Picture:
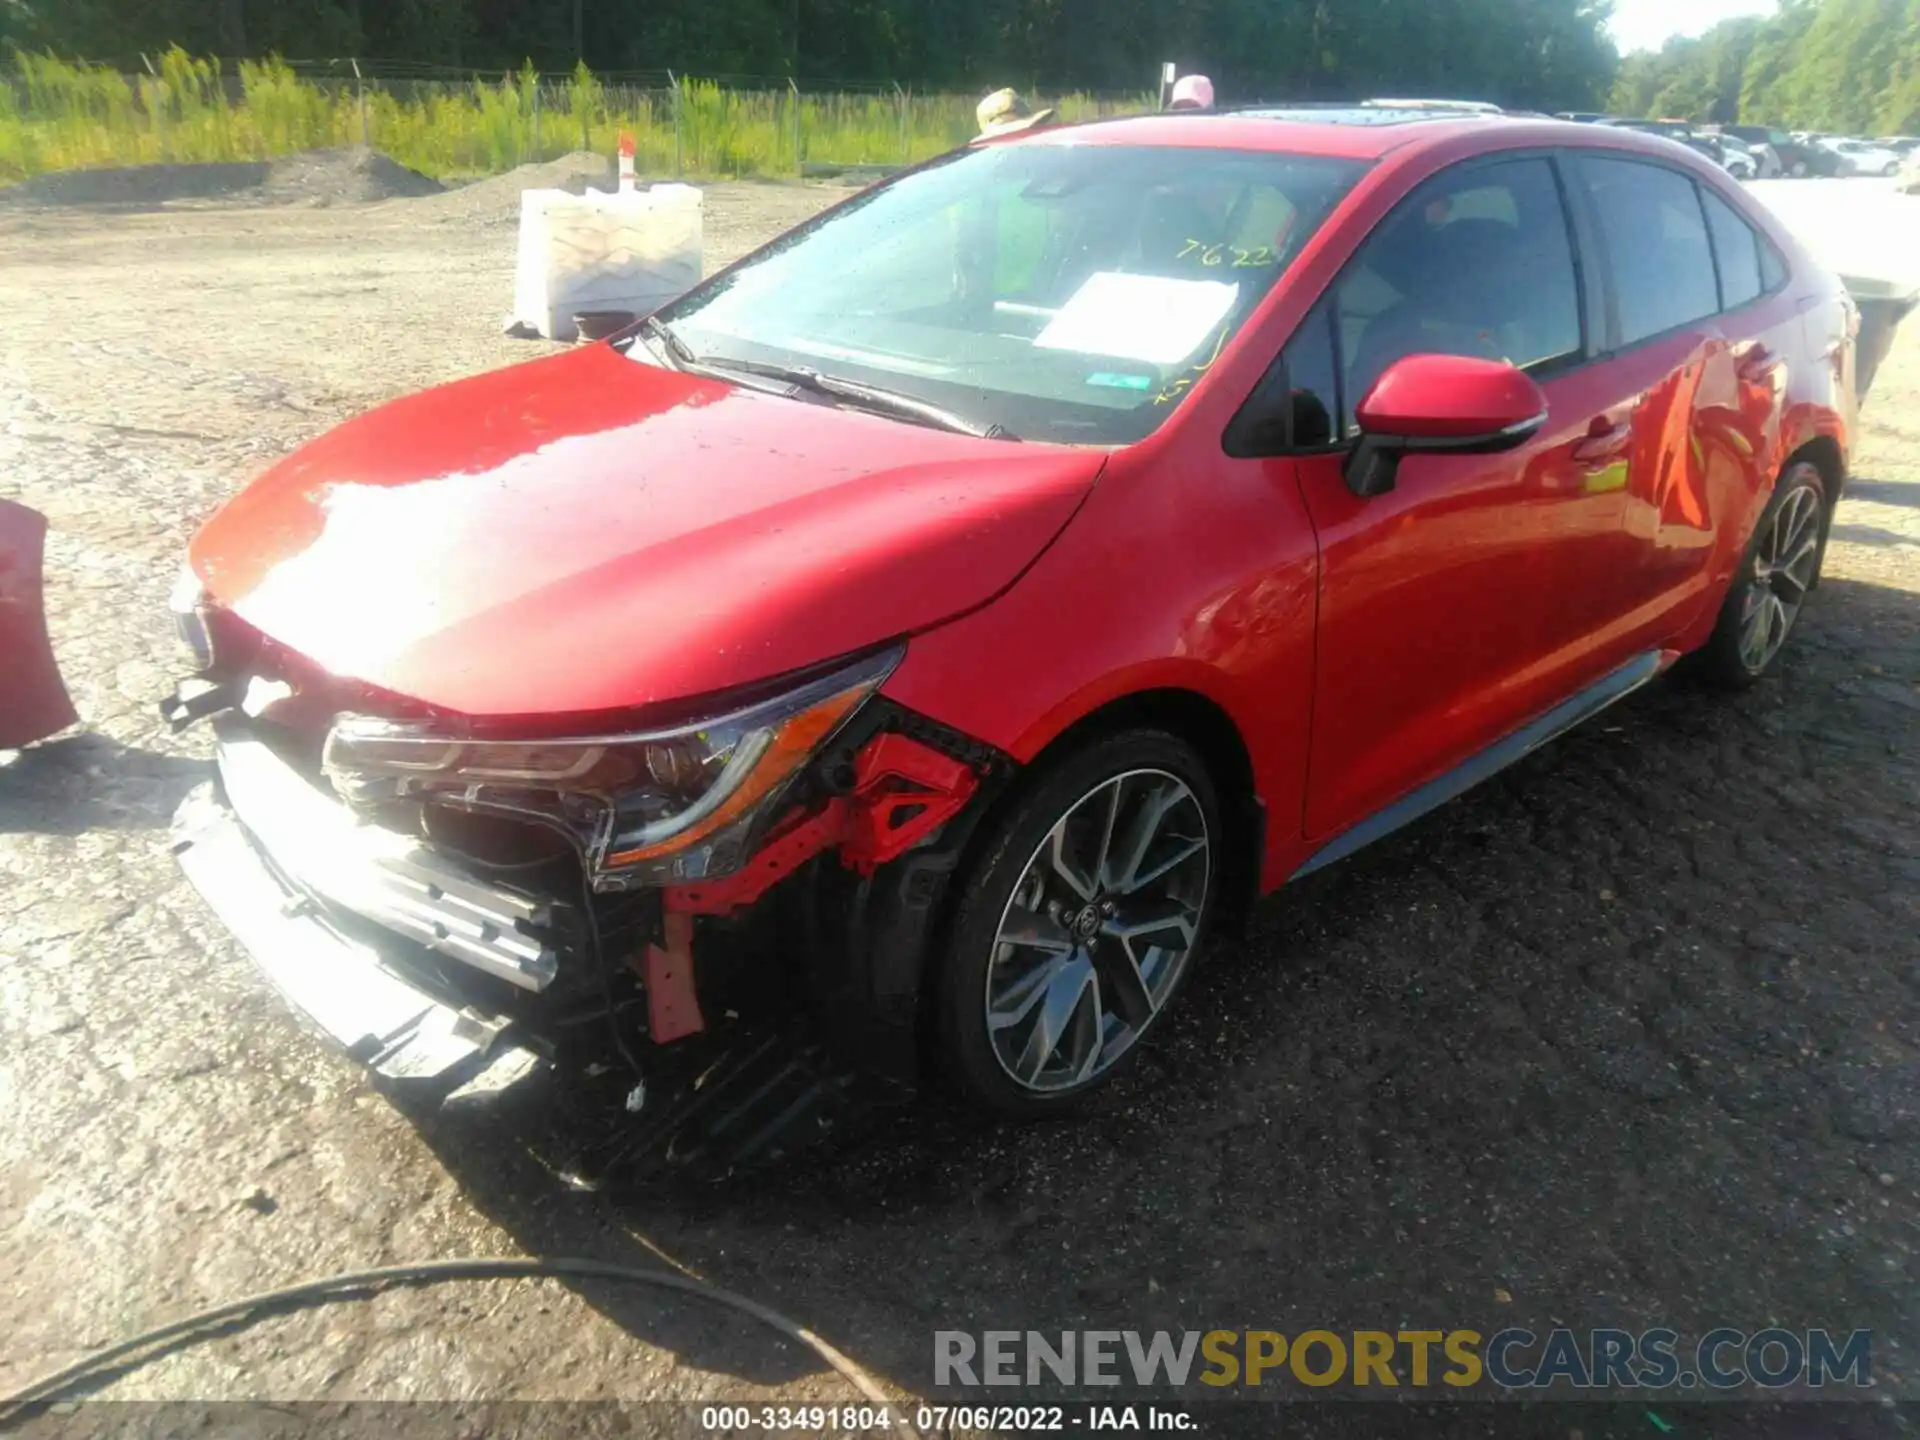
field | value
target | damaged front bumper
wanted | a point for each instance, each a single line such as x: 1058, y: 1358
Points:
x: 424, y: 969
x: 282, y: 867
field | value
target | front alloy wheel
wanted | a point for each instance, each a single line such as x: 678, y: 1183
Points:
x: 1080, y: 924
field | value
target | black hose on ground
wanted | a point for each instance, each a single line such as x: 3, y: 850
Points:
x: 354, y: 1284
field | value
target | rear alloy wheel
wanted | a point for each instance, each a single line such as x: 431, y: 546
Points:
x: 1080, y: 923
x: 1781, y: 566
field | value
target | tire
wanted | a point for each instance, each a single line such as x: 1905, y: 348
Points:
x: 1799, y: 170
x: 1047, y: 1045
x: 1780, y: 566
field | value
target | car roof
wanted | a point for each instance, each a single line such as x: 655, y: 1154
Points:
x: 1349, y: 132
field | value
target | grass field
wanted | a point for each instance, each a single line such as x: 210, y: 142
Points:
x: 60, y: 115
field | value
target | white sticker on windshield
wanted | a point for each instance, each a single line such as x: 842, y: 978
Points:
x: 1139, y: 317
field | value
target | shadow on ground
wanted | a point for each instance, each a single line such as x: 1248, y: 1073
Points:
x: 1871, y: 535
x: 1884, y: 492
x: 1630, y: 1037
x: 86, y: 782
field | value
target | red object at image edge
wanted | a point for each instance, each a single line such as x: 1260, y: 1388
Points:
x: 33, y: 700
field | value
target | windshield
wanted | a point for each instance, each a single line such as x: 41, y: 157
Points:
x: 1069, y: 293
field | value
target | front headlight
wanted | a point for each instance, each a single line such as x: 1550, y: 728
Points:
x: 656, y: 808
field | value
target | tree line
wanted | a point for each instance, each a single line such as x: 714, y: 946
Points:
x: 1542, y: 53
x: 1828, y: 64
x: 1851, y: 66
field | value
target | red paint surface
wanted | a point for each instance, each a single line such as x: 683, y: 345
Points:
x: 587, y: 532
x: 1477, y: 593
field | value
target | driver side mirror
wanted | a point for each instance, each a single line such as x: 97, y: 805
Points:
x: 1440, y: 405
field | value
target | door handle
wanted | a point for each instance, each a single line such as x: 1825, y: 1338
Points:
x: 1604, y: 440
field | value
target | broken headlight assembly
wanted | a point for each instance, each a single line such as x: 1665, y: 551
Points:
x: 661, y: 807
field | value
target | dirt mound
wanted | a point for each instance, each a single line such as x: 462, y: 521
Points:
x: 314, y: 177
x: 354, y: 176
x: 497, y: 198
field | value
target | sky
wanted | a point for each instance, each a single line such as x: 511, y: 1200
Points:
x: 1646, y: 24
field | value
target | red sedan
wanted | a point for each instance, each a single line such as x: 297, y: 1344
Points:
x: 945, y: 620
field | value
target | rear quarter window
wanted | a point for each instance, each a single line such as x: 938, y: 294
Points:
x: 1738, y: 250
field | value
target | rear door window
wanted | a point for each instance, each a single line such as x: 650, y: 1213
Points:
x: 1773, y: 270
x: 1654, y: 237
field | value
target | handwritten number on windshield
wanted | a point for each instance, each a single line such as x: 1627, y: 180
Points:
x: 1213, y: 256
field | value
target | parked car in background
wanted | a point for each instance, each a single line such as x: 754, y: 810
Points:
x: 1796, y: 158
x: 944, y: 621
x: 1583, y: 117
x: 1863, y: 157
x: 1901, y: 145
x: 1670, y: 129
x: 1737, y: 160
x: 1680, y: 130
x: 1766, y: 160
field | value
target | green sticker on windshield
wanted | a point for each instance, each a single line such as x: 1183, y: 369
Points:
x: 1110, y: 381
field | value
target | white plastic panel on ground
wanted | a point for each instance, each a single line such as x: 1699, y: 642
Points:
x: 630, y: 250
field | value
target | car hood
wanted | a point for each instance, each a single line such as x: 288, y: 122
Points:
x: 588, y: 532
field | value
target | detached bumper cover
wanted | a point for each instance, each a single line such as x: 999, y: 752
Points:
x: 33, y: 701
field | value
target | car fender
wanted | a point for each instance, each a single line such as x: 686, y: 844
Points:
x: 1231, y: 622
x: 1145, y: 677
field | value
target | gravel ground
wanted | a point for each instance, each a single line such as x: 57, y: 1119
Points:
x: 1630, y: 1036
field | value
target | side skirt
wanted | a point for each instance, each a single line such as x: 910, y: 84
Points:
x: 1489, y: 762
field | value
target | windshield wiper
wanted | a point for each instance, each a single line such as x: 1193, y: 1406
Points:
x: 872, y: 397
x: 680, y: 356
x: 654, y: 328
